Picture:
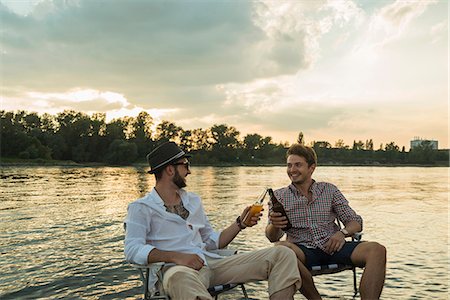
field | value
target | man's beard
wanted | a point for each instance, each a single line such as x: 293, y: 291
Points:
x: 178, y: 180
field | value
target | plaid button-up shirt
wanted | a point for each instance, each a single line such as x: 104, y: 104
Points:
x: 313, y: 223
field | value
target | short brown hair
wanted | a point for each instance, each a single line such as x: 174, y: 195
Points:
x: 306, y: 152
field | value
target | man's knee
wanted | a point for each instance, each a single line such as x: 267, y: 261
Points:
x: 181, y: 282
x: 298, y: 252
x: 284, y: 253
x: 369, y: 251
x: 179, y: 273
x: 378, y: 252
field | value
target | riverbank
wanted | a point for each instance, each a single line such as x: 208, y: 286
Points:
x: 43, y: 162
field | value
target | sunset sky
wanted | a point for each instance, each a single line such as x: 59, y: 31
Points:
x: 351, y: 70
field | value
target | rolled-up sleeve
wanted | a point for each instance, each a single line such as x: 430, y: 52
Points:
x: 343, y: 210
x: 137, y: 225
x: 209, y: 236
x: 212, y: 240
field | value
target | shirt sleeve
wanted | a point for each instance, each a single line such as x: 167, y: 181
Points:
x: 209, y: 236
x: 137, y: 224
x: 343, y: 210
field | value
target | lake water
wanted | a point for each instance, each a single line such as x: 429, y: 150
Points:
x: 62, y: 234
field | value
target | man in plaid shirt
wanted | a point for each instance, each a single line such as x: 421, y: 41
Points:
x: 312, y: 208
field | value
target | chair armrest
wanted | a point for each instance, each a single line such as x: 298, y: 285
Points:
x: 224, y: 252
x: 152, y: 265
x: 138, y: 266
x: 357, y: 236
x: 221, y: 252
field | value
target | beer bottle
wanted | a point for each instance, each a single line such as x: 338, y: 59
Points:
x: 278, y: 207
x: 255, y: 209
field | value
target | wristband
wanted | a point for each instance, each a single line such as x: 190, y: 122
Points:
x: 345, y: 232
x: 239, y: 223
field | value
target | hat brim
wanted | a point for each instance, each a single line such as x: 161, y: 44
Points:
x: 153, y: 171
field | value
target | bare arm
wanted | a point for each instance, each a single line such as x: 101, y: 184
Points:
x: 184, y: 259
x: 274, y: 229
x: 337, y: 240
x: 229, y: 233
x: 353, y: 227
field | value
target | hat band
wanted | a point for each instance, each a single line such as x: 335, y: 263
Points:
x: 170, y: 159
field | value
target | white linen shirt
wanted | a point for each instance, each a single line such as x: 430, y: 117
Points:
x: 149, y: 226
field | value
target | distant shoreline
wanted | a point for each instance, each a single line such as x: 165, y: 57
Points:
x: 68, y: 163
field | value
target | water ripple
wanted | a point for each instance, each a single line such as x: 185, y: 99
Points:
x: 62, y: 227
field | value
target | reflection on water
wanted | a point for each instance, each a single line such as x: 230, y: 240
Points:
x: 62, y: 233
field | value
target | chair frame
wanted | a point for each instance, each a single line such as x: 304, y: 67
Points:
x: 335, y: 268
x: 157, y: 294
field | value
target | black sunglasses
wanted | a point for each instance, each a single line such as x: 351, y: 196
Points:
x: 187, y: 164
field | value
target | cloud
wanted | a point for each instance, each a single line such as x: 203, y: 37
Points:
x: 88, y: 101
x: 165, y: 48
x: 162, y: 55
x: 439, y: 32
x: 256, y: 65
x: 302, y: 24
x: 390, y: 22
x: 157, y: 43
x: 400, y: 13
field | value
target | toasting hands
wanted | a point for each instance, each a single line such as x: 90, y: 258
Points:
x: 278, y: 220
x: 251, y: 215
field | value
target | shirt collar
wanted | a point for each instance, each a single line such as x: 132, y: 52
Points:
x: 311, y: 188
x: 157, y: 199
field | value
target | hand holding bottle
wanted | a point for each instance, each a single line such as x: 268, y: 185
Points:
x: 278, y: 216
x: 278, y: 220
x: 253, y: 215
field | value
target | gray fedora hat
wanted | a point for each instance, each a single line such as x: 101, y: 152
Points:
x: 163, y: 155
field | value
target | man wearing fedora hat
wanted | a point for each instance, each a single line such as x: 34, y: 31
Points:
x: 170, y: 225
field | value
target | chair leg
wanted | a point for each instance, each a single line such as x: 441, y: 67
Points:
x: 147, y: 275
x: 355, y: 286
x: 244, y: 291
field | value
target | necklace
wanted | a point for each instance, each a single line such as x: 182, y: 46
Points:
x: 177, y: 209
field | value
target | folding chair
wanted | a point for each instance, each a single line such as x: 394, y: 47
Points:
x: 335, y: 268
x: 155, y: 291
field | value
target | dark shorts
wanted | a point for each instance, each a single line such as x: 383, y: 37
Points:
x: 317, y: 257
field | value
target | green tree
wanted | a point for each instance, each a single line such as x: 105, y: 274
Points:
x: 121, y: 152
x: 369, y: 145
x: 48, y: 123
x: 31, y: 122
x: 7, y: 133
x: 141, y: 133
x: 115, y: 130
x: 168, y: 131
x: 391, y: 152
x: 358, y: 145
x: 340, y: 144
x: 423, y: 153
x: 252, y: 145
x: 225, y: 142
x: 72, y: 128
x: 200, y: 139
x: 301, y: 138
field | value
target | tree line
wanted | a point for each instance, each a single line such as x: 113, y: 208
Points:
x: 76, y: 136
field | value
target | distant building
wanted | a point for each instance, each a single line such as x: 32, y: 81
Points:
x: 416, y: 142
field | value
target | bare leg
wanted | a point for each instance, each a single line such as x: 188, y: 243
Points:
x: 371, y: 256
x: 308, y: 288
x: 284, y: 294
